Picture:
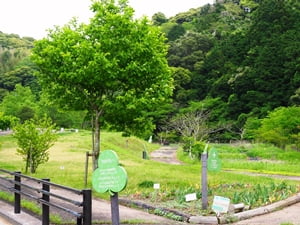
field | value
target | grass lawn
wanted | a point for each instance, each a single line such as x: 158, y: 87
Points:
x: 66, y: 166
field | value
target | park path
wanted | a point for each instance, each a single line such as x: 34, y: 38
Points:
x: 166, y: 154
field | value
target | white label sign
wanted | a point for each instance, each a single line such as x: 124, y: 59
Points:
x: 190, y: 197
x: 156, y: 186
x: 220, y: 204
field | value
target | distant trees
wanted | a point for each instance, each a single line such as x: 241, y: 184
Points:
x: 115, y: 68
x: 159, y: 18
x: 20, y: 103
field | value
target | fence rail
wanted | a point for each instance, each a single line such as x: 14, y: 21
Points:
x: 42, y: 195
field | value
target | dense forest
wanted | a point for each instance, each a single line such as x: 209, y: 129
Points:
x: 235, y: 65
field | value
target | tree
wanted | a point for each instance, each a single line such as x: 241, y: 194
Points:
x: 115, y: 68
x: 281, y: 127
x: 34, y: 138
x: 7, y: 122
x: 159, y: 18
x: 20, y: 103
x: 193, y: 128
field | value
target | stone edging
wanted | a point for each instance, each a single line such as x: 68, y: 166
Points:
x: 224, y: 219
x: 130, y: 203
x: 246, y: 214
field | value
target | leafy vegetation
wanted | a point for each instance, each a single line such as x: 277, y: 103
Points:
x: 114, y: 68
x: 34, y: 138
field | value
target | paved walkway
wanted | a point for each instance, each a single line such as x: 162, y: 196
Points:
x: 166, y: 154
x: 289, y: 215
x: 8, y: 217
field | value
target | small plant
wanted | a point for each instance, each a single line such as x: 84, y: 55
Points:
x: 167, y: 214
x: 146, y: 184
x: 263, y: 195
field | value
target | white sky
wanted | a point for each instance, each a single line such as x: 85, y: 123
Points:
x: 33, y: 17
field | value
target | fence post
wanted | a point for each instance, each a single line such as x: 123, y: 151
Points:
x: 45, y: 208
x: 17, y: 195
x: 87, y: 206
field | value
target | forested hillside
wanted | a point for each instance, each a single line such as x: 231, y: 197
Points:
x: 236, y: 59
x: 14, y: 66
x: 233, y: 63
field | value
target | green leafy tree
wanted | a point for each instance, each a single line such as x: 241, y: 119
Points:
x: 34, y: 138
x: 7, y: 122
x: 20, y: 103
x: 60, y: 116
x: 115, y: 68
x: 281, y: 127
x: 159, y: 18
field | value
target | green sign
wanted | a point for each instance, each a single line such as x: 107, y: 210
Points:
x: 213, y: 161
x: 109, y: 176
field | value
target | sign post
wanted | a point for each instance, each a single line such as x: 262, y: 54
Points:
x: 112, y: 178
x: 204, y: 180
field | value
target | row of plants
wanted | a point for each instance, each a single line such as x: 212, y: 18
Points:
x: 252, y: 195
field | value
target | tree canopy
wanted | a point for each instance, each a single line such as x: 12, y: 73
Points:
x: 115, y: 67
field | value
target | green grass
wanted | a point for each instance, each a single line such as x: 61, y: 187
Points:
x: 67, y: 164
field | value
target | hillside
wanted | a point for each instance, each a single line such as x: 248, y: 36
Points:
x: 236, y: 59
x: 13, y: 65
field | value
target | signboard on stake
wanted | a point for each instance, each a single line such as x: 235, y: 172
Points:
x: 220, y: 205
x: 112, y: 178
x: 213, y: 161
x: 109, y: 176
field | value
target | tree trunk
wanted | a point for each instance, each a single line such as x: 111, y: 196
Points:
x: 27, y: 162
x: 96, y: 139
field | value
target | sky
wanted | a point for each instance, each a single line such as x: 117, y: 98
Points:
x: 32, y: 18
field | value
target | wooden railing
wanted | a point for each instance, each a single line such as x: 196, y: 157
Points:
x: 40, y: 191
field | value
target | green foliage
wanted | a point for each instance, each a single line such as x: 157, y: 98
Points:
x: 19, y: 103
x: 15, y: 41
x: 159, y: 18
x: 192, y: 147
x: 60, y: 116
x: 146, y: 184
x: 7, y: 122
x: 260, y: 195
x: 34, y: 138
x: 13, y: 51
x: 115, y: 68
x: 251, y: 126
x: 281, y: 127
